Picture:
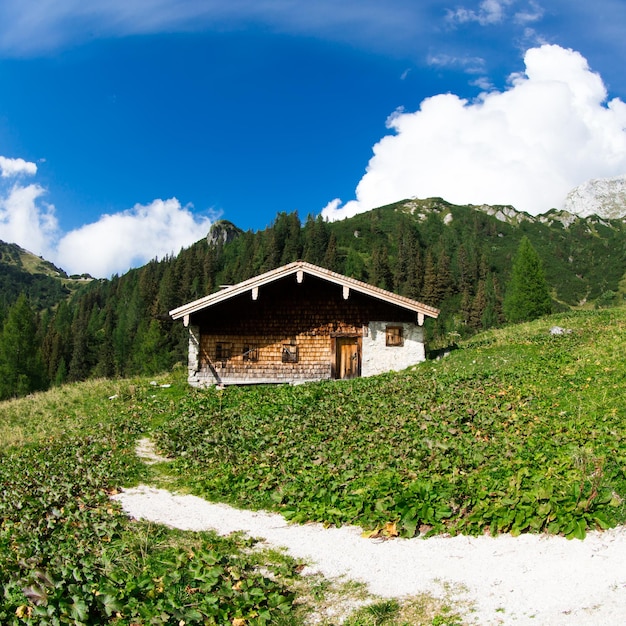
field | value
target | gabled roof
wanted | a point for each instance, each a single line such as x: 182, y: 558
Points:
x: 300, y: 269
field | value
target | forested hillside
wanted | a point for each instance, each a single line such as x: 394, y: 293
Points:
x: 23, y: 272
x: 457, y: 258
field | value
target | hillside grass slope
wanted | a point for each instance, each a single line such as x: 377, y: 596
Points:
x: 519, y: 430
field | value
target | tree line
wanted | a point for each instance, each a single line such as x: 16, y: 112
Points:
x: 121, y: 326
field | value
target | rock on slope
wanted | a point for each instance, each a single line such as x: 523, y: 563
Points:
x: 605, y: 197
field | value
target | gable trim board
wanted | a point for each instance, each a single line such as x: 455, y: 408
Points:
x: 306, y: 311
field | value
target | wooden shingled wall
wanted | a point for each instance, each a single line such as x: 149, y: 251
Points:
x: 287, y: 315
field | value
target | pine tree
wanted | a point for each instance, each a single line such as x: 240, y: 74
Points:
x: 292, y: 248
x: 331, y: 259
x: 355, y: 266
x: 21, y: 366
x: 79, y: 365
x: 429, y: 290
x: 527, y: 293
x: 492, y: 315
x: 405, y: 238
x: 273, y: 251
x: 57, y: 343
x: 479, y: 304
x: 380, y: 274
x: 466, y: 306
x: 464, y: 281
x: 315, y: 237
x: 415, y: 274
x: 444, y: 283
x: 105, y: 366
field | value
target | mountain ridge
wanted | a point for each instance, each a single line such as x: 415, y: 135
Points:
x: 44, y: 283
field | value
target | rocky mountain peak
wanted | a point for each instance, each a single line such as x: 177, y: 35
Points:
x: 223, y: 232
x: 605, y: 197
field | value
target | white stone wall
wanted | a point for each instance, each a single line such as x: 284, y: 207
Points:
x: 193, y: 364
x: 377, y: 357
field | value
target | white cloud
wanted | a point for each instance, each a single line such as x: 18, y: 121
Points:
x: 26, y: 220
x: 528, y: 145
x: 489, y: 12
x: 28, y: 28
x: 113, y: 244
x: 117, y: 242
x: 469, y: 64
x: 533, y: 13
x: 483, y: 83
x: 15, y: 167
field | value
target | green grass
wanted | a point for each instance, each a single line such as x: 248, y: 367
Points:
x: 517, y: 431
x: 70, y: 556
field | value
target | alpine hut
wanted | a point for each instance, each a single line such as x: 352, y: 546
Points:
x: 299, y: 323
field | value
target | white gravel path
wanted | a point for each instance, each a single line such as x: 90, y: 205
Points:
x: 532, y: 579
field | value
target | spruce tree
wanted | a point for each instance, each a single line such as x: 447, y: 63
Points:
x: 527, y: 294
x: 380, y: 273
x: 415, y: 276
x: 444, y: 281
x: 479, y: 304
x: 464, y: 272
x: 492, y: 315
x: 429, y: 290
x: 21, y: 367
x: 355, y: 266
x: 466, y: 306
x: 331, y: 258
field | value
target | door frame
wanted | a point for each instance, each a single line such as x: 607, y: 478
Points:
x: 359, y: 346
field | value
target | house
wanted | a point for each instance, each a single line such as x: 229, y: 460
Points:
x: 301, y: 323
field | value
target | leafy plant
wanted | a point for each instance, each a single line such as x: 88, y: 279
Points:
x: 70, y: 556
x: 506, y: 436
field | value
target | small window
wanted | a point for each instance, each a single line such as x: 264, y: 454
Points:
x: 394, y: 336
x: 290, y: 353
x: 223, y: 350
x: 251, y: 353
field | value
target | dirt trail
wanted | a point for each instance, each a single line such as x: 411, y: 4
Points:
x: 532, y: 579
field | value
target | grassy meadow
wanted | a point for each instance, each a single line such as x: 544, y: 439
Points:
x: 517, y: 431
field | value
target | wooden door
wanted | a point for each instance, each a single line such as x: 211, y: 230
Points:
x: 348, y: 356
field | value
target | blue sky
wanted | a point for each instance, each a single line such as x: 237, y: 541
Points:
x: 127, y: 127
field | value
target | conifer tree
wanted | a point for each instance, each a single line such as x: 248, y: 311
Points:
x: 444, y: 282
x: 429, y: 290
x: 355, y: 266
x: 464, y: 272
x: 492, y: 315
x: 331, y: 258
x: 415, y: 274
x: 315, y: 239
x: 527, y: 293
x: 79, y: 364
x: 381, y: 274
x: 21, y: 366
x: 466, y: 306
x: 479, y: 304
x: 405, y: 239
x: 292, y: 249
